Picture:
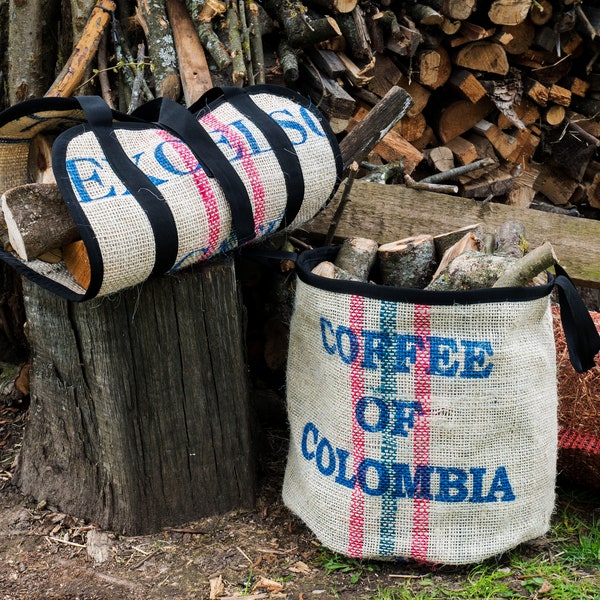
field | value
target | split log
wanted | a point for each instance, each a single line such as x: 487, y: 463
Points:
x: 483, y: 56
x: 433, y: 67
x: 463, y: 150
x: 388, y: 111
x: 340, y: 6
x: 356, y: 257
x: 145, y: 400
x: 494, y: 183
x: 76, y: 259
x: 513, y: 12
x: 445, y: 240
x: 460, y: 116
x: 193, y: 67
x: 39, y: 160
x: 516, y: 39
x: 455, y: 9
x: 37, y: 219
x: 441, y: 158
x: 407, y: 263
x: 468, y: 243
x: 328, y: 94
x: 467, y: 85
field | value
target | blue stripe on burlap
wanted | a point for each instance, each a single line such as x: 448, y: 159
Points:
x: 387, y: 527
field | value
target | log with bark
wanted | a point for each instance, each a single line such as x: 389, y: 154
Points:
x: 464, y: 259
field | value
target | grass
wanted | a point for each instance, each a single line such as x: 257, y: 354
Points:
x: 564, y: 566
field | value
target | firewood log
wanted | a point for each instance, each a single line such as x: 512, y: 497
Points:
x: 467, y: 85
x: 37, y: 219
x: 193, y: 67
x: 332, y: 271
x: 77, y: 261
x: 541, y: 12
x: 39, y: 160
x: 433, y: 67
x: 440, y: 158
x: 340, y: 6
x: 446, y: 240
x: 513, y: 12
x: 462, y: 150
x: 74, y: 69
x: 153, y: 18
x: 407, y: 263
x: 483, y: 56
x: 459, y: 116
x: 527, y: 268
x: 510, y: 239
x: 454, y: 9
x: 468, y: 243
x: 516, y: 39
x: 469, y: 271
x: 357, y: 256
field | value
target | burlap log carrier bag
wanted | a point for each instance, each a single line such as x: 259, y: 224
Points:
x: 166, y: 187
x: 424, y: 424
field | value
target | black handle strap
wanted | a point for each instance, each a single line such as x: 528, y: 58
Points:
x: 583, y: 340
x: 100, y: 118
x: 181, y: 122
x: 278, y: 141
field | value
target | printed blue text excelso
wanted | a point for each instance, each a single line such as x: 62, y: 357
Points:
x: 93, y: 179
x: 448, y: 357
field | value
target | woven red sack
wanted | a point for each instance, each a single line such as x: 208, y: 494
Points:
x: 578, y: 415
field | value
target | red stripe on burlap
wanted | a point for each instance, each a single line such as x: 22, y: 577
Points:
x: 422, y: 429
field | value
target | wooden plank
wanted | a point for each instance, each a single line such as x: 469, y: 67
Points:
x: 392, y: 212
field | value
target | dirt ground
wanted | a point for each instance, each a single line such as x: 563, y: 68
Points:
x: 261, y: 553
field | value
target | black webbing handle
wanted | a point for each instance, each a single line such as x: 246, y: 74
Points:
x: 583, y: 339
x: 100, y: 118
x: 180, y: 121
x: 279, y: 143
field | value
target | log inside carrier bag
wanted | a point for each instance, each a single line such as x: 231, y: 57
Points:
x: 436, y: 264
x: 38, y: 220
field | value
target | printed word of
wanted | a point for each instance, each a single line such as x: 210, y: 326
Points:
x: 395, y: 417
x: 401, y: 480
x: 448, y: 357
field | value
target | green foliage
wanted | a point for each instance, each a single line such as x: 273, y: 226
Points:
x: 337, y: 563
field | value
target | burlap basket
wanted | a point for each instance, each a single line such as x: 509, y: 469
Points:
x: 424, y: 424
x: 158, y: 190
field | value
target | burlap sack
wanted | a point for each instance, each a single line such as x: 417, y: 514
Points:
x: 422, y: 424
x: 166, y: 187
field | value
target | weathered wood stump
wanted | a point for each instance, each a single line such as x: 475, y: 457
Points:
x: 139, y: 413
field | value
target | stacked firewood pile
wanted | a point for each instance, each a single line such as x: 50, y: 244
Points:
x: 505, y: 93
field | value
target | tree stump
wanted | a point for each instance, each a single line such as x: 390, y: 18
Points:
x: 139, y: 415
